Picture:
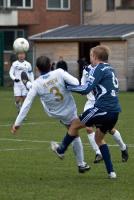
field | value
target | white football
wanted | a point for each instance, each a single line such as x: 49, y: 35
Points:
x: 21, y: 45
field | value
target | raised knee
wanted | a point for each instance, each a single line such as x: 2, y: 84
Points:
x: 89, y: 130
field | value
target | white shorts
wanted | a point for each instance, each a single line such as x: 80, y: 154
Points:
x: 20, y: 90
x: 67, y: 120
x: 89, y: 104
x: 65, y: 116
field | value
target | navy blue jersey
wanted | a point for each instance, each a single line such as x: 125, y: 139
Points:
x: 103, y: 82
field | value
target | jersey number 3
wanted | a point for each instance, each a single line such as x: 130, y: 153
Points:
x: 57, y: 93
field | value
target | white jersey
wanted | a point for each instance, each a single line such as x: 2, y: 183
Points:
x: 57, y: 101
x: 85, y: 75
x: 17, y: 68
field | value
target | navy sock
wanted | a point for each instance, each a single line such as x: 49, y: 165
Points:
x: 107, y: 158
x: 65, y: 143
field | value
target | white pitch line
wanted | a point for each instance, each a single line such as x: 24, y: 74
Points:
x: 28, y: 123
x: 22, y: 149
x: 24, y: 140
x: 48, y: 142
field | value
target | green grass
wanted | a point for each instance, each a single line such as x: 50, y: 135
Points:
x: 32, y: 172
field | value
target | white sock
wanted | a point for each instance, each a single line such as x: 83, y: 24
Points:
x: 91, y: 138
x: 78, y: 151
x: 118, y: 139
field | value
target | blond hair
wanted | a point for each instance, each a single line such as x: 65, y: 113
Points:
x: 101, y: 52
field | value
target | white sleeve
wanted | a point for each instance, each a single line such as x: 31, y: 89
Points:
x: 11, y: 72
x: 26, y: 106
x: 30, y: 73
x: 83, y: 79
x: 68, y: 78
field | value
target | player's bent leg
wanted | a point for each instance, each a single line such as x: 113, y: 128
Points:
x: 22, y: 100
x: 118, y: 139
x: 99, y: 137
x: 75, y: 127
x: 69, y: 137
x: 103, y: 121
x: 18, y: 103
x: 123, y: 147
x: 76, y: 144
x: 91, y: 138
x: 79, y: 154
x: 17, y: 95
x: 54, y: 147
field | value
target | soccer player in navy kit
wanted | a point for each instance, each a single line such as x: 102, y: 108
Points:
x: 90, y: 132
x: 104, y: 114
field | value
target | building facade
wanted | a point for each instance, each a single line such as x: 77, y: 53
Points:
x: 75, y: 42
x: 108, y: 12
x: 30, y: 17
x: 73, y: 47
x: 26, y: 17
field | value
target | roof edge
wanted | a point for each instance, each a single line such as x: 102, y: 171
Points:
x: 73, y: 39
x: 128, y: 35
x: 47, y: 31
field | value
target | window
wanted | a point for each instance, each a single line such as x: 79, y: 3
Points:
x: 127, y: 4
x: 1, y: 3
x: 8, y: 40
x: 88, y: 5
x: 20, y: 4
x: 110, y: 5
x: 17, y: 3
x: 10, y: 36
x: 58, y: 4
x: 28, y: 3
x: 65, y: 4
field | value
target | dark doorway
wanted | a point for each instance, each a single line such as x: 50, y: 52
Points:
x: 84, y: 49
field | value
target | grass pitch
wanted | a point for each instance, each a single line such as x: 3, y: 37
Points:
x: 30, y: 171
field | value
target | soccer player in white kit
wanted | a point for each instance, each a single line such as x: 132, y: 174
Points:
x: 19, y: 66
x: 56, y: 100
x: 115, y: 133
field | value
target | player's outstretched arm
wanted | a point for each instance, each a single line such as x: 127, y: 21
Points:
x: 14, y: 129
x: 69, y: 79
x: 24, y: 110
x: 82, y: 89
x: 91, y: 83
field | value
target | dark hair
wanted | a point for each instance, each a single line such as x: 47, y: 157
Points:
x: 43, y: 64
x: 101, y: 52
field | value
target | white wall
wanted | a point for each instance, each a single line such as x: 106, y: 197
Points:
x: 8, y: 18
x: 69, y: 51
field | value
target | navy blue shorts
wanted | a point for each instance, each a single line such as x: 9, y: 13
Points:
x: 100, y: 119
